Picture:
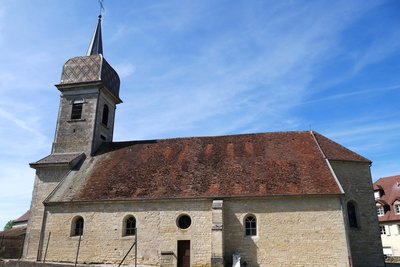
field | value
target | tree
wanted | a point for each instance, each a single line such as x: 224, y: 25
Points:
x: 8, y: 225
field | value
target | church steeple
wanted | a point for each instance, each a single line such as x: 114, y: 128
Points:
x: 96, y: 44
x: 89, y: 89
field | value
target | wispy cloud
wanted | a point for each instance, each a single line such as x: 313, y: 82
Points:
x: 378, y: 50
x: 351, y: 93
x: 226, y: 77
x: 125, y: 69
x: 20, y: 123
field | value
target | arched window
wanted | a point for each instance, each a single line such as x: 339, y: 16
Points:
x: 130, y: 226
x: 352, y: 214
x: 251, y: 225
x: 104, y: 119
x: 77, y: 226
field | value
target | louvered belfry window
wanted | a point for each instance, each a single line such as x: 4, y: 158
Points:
x: 76, y: 113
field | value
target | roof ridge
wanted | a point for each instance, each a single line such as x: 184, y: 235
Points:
x: 331, y: 154
x: 389, y: 177
x: 209, y: 136
x: 327, y: 161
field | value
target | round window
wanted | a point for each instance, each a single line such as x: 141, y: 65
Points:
x: 184, y: 221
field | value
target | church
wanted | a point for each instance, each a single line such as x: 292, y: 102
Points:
x: 271, y: 199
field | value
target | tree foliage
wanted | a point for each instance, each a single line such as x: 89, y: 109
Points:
x: 8, y: 225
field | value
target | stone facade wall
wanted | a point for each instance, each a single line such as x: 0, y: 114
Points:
x: 101, y: 129
x: 365, y: 242
x: 103, y: 240
x: 11, y: 246
x: 45, y: 182
x: 290, y: 232
x: 76, y: 135
x: 15, y: 263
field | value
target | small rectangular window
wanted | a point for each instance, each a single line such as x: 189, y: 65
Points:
x: 383, y: 230
x: 380, y: 211
x: 76, y: 113
x: 397, y: 208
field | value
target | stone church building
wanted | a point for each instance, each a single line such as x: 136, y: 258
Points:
x: 276, y: 199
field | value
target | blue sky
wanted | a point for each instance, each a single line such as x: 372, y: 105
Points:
x: 195, y: 68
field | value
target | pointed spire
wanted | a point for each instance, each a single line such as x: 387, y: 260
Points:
x: 96, y: 44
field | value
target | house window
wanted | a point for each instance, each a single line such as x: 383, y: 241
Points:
x: 387, y: 251
x: 250, y: 225
x: 380, y: 210
x: 130, y: 226
x: 104, y: 119
x: 397, y: 208
x: 352, y: 214
x: 383, y: 230
x: 77, y: 226
x: 76, y: 112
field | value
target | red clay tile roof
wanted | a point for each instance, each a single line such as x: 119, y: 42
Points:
x: 334, y: 151
x: 13, y: 232
x: 24, y: 217
x: 391, y: 188
x: 281, y: 163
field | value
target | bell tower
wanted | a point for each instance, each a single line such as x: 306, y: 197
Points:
x: 89, y: 89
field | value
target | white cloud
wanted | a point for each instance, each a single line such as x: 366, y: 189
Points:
x: 125, y: 69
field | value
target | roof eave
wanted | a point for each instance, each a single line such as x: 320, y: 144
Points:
x: 313, y: 195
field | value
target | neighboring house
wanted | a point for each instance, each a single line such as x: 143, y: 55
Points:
x: 22, y: 221
x: 277, y: 199
x: 12, y: 240
x: 387, y: 198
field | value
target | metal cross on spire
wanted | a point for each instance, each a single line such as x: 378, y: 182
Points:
x: 101, y: 7
x: 96, y: 44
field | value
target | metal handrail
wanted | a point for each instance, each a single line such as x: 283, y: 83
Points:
x: 134, y: 244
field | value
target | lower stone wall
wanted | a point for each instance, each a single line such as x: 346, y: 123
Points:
x: 11, y: 247
x: 103, y: 239
x: 392, y: 259
x: 11, y: 263
x: 290, y: 232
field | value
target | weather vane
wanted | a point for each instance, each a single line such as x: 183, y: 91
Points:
x: 101, y: 8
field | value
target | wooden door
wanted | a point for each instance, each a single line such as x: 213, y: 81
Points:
x: 184, y: 253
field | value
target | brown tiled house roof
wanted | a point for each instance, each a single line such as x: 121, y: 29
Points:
x: 263, y: 164
x: 24, y: 217
x: 390, y: 186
